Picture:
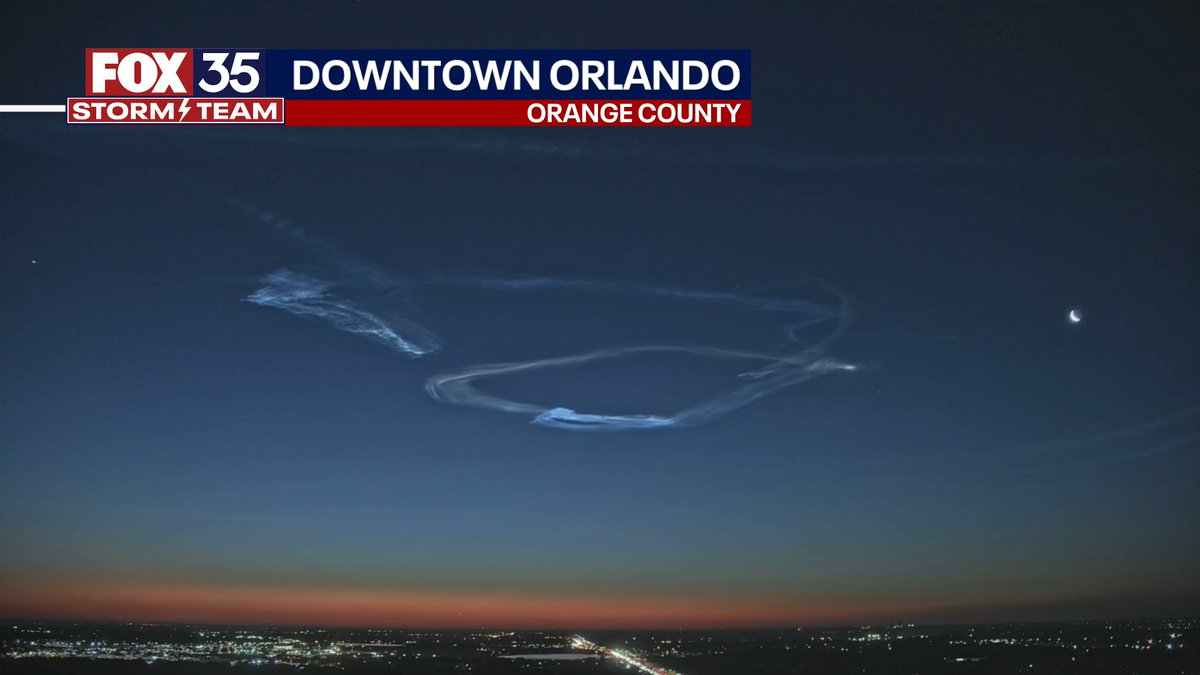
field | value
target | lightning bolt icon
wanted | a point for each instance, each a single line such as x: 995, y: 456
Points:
x: 185, y: 106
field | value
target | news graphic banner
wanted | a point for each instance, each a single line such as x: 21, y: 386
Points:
x: 405, y: 87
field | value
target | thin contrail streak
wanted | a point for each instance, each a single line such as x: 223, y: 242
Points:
x: 1180, y: 442
x: 782, y: 370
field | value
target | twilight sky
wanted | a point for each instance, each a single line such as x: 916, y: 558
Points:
x: 962, y: 176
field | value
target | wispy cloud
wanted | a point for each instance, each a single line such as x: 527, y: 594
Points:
x: 303, y: 295
x: 307, y: 295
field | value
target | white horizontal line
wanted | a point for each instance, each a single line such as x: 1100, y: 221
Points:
x: 33, y: 108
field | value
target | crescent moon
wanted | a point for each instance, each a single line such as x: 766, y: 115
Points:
x: 1074, y: 316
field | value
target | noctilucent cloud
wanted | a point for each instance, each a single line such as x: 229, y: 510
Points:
x: 304, y: 295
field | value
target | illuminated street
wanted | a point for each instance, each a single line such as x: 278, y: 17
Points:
x: 628, y: 658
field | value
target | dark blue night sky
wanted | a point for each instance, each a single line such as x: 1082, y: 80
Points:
x: 963, y: 176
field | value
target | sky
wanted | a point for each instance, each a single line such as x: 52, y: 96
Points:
x: 875, y: 405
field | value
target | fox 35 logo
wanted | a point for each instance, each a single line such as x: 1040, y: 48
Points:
x: 175, y: 72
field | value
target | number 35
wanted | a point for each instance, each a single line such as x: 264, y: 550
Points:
x: 231, y: 76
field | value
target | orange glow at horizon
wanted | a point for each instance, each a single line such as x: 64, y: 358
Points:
x: 395, y: 608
